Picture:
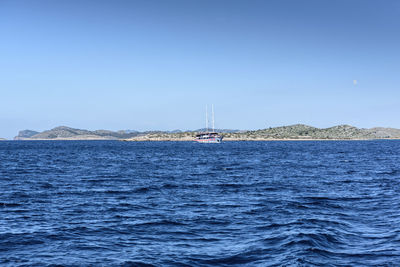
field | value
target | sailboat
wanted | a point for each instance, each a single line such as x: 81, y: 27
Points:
x: 209, y: 136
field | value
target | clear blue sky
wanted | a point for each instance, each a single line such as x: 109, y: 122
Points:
x: 149, y: 65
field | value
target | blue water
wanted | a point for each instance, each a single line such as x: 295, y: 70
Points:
x: 91, y: 203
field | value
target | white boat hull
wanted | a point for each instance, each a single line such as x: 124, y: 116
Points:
x: 216, y: 139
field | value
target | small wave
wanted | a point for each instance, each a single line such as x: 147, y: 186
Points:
x: 136, y: 264
x: 170, y: 186
x: 335, y: 198
x: 357, y: 257
x: 391, y: 172
x: 9, y: 240
x: 142, y: 190
x: 46, y: 185
x: 238, y: 259
x: 313, y: 240
x: 231, y: 185
x: 22, y: 211
x: 11, y: 205
x: 160, y: 223
x: 273, y: 226
x: 116, y: 192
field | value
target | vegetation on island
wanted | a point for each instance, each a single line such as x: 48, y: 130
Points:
x: 292, y: 132
x: 301, y: 131
x: 67, y: 133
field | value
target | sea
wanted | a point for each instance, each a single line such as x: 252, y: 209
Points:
x: 274, y: 203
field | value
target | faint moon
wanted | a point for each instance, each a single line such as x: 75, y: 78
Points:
x: 355, y: 82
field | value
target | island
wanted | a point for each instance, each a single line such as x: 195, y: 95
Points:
x: 68, y: 133
x: 291, y: 132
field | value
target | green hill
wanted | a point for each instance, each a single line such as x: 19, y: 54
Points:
x: 301, y: 131
x: 67, y: 133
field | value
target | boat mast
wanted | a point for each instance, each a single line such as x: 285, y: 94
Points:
x: 212, y: 110
x: 206, y: 118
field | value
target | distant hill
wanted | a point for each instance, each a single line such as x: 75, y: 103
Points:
x: 128, y: 131
x: 301, y: 131
x: 380, y: 132
x: 26, y: 133
x: 3, y: 139
x: 291, y: 132
x: 67, y: 133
